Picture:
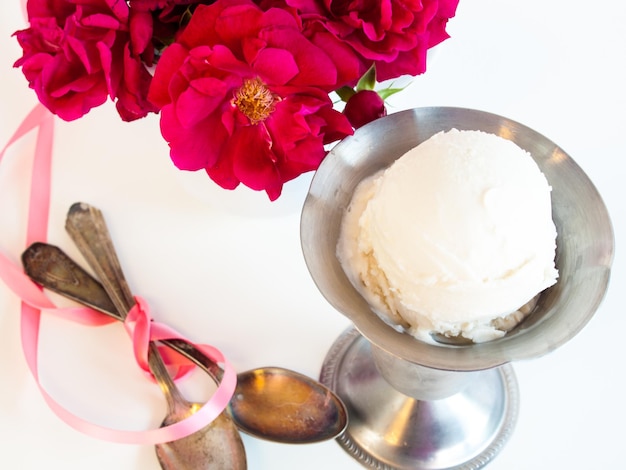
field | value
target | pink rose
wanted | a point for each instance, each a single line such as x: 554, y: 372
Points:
x: 393, y: 34
x: 363, y: 107
x: 244, y: 95
x: 76, y: 54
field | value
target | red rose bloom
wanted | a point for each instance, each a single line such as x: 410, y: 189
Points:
x: 244, y: 95
x: 76, y: 54
x: 393, y: 34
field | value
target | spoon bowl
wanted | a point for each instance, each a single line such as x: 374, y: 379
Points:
x: 192, y: 452
x: 285, y: 406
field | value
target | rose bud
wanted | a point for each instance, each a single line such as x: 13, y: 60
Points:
x: 363, y: 107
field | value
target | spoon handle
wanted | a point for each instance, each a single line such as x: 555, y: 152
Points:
x: 87, y: 227
x: 52, y: 268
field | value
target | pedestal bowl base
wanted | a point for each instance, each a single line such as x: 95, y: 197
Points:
x: 389, y: 430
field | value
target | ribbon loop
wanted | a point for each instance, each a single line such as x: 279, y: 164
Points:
x: 137, y: 324
x: 140, y: 326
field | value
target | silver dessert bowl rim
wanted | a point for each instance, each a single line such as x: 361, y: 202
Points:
x: 585, y: 240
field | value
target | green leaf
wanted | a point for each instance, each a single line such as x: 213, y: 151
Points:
x: 368, y: 80
x: 387, y: 92
x: 185, y: 17
x: 345, y: 93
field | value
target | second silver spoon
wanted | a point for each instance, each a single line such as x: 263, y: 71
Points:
x: 216, y: 446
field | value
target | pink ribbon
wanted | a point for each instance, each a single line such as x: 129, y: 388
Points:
x: 142, y: 329
x: 139, y: 325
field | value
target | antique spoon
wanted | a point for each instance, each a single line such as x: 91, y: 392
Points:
x: 217, y: 445
x: 309, y: 412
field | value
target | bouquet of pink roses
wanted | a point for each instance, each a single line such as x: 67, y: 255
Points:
x: 243, y: 87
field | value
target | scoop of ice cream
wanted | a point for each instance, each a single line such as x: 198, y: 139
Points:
x: 455, y: 237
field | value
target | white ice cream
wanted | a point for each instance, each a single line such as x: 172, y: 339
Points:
x: 454, y: 237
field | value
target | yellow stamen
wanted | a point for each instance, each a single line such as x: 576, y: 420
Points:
x: 255, y: 101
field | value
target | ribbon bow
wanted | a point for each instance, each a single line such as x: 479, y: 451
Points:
x: 142, y: 329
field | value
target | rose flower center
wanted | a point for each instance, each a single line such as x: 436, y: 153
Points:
x: 255, y: 101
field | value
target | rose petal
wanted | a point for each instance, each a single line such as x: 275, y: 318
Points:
x: 253, y: 160
x: 118, y: 7
x: 278, y: 65
x: 140, y: 31
x: 100, y: 20
x: 199, y: 100
x: 171, y: 61
x: 192, y: 148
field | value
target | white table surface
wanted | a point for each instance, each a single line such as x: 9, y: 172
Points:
x: 233, y: 275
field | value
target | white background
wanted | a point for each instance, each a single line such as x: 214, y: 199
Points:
x: 231, y: 274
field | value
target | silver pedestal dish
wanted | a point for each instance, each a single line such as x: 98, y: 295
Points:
x: 428, y: 406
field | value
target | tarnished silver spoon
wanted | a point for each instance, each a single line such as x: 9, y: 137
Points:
x: 309, y: 412
x: 217, y: 445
